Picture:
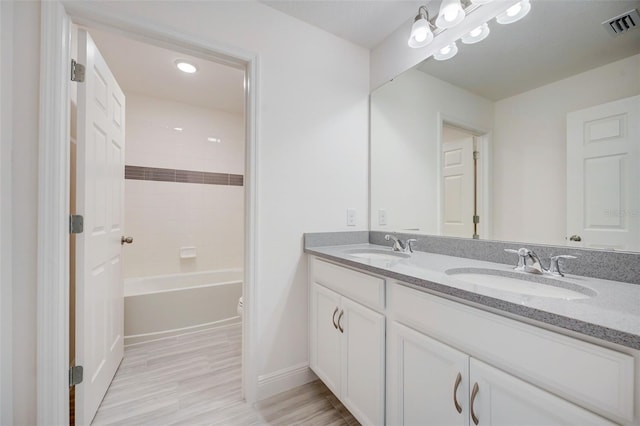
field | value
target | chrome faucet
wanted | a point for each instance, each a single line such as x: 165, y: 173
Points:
x: 528, y: 261
x: 399, y: 245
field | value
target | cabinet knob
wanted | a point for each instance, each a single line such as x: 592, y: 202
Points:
x: 124, y: 240
x: 455, y: 393
x: 333, y: 318
x: 340, y: 319
x: 474, y: 393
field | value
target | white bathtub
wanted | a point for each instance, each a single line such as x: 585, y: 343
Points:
x: 168, y: 305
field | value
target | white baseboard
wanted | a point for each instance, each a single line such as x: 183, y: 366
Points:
x: 283, y: 380
x: 152, y: 337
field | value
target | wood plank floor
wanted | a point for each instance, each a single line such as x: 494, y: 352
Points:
x: 195, y: 380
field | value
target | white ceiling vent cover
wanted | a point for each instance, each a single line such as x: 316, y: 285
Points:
x: 623, y: 23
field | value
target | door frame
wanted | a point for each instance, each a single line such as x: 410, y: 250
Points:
x: 6, y: 138
x: 53, y: 189
x: 484, y: 170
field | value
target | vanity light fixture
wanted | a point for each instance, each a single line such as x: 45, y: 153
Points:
x: 479, y: 2
x: 477, y: 34
x: 447, y: 52
x: 421, y: 33
x: 514, y: 13
x: 185, y: 66
x: 212, y: 139
x: 451, y: 14
x: 178, y: 129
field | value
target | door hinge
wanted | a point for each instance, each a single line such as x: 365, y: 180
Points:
x: 76, y: 224
x: 75, y: 375
x: 476, y: 219
x: 77, y: 71
x: 476, y: 155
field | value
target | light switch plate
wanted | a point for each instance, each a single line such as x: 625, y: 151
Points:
x: 382, y: 217
x: 351, y: 217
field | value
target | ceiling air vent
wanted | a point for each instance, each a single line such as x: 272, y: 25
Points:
x: 623, y: 23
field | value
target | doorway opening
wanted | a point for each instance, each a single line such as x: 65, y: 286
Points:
x: 174, y: 194
x: 464, y: 176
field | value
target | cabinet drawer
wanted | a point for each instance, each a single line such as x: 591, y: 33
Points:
x: 597, y: 378
x: 360, y: 287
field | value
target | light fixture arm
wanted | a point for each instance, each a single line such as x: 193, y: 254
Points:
x: 423, y: 13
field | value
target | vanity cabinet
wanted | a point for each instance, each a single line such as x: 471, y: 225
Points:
x: 431, y: 383
x: 347, y: 339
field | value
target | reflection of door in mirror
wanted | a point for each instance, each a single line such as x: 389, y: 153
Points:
x: 603, y: 163
x: 458, y: 193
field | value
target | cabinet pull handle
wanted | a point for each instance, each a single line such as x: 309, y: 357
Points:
x: 455, y: 391
x: 474, y: 393
x: 340, y: 319
x: 333, y: 318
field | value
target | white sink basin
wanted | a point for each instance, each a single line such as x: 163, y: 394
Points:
x: 520, y: 283
x: 377, y: 254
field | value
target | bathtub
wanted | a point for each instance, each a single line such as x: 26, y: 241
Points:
x: 169, y: 305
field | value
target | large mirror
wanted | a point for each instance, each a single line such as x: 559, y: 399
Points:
x: 531, y: 135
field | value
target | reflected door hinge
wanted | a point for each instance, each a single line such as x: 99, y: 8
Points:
x: 76, y: 224
x: 75, y: 375
x: 77, y: 71
x: 476, y: 219
x: 476, y: 155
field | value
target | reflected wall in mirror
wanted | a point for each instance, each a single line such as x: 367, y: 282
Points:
x: 551, y: 106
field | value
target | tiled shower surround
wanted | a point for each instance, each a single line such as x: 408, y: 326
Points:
x: 182, y: 176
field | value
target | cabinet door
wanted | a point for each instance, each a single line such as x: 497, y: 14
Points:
x: 501, y: 399
x: 325, y: 336
x: 429, y: 382
x: 363, y: 349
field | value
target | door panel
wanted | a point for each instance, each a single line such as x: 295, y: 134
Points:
x: 503, y: 400
x: 603, y: 162
x: 426, y: 372
x: 100, y: 183
x: 325, y: 344
x: 458, y: 188
x: 363, y: 348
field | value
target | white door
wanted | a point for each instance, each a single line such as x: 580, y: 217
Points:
x: 363, y: 348
x: 458, y: 187
x: 502, y: 400
x: 100, y: 183
x: 430, y: 380
x: 325, y: 336
x: 603, y: 171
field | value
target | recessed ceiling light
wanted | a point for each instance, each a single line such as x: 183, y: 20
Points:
x: 185, y: 66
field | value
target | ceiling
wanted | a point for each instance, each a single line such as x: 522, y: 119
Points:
x: 557, y: 39
x: 150, y: 70
x: 363, y: 22
x: 564, y: 35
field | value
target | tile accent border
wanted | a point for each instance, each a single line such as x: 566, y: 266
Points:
x: 182, y: 176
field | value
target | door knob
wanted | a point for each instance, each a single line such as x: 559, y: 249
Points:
x: 575, y: 238
x: 127, y: 240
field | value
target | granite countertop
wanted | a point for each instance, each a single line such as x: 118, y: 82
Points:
x: 612, y: 314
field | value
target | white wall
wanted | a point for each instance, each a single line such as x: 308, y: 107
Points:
x: 6, y: 337
x: 404, y: 151
x: 529, y: 178
x: 25, y: 97
x: 164, y: 216
x: 312, y: 153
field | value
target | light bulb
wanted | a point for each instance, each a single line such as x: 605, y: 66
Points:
x: 421, y: 34
x: 476, y: 35
x: 451, y: 14
x: 446, y: 52
x: 514, y: 10
x: 514, y: 13
x: 186, y: 66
